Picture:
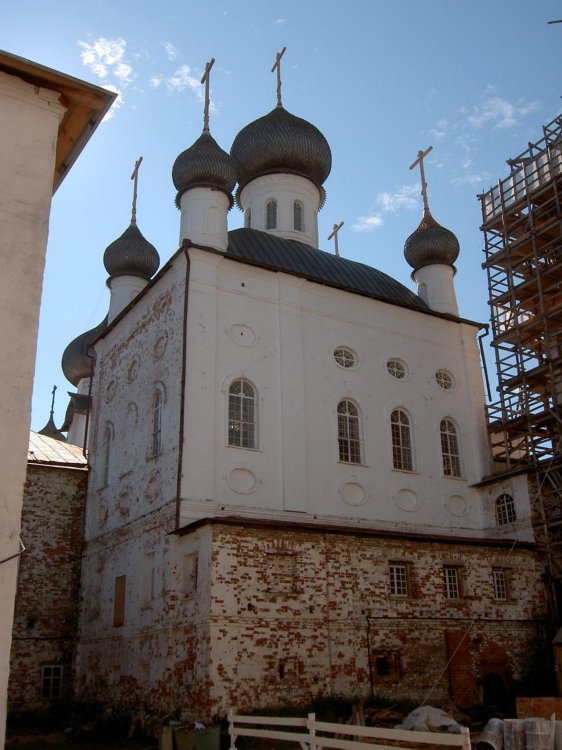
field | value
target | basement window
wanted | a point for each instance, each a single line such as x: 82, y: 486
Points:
x: 452, y: 575
x: 51, y: 681
x: 502, y: 591
x: 386, y: 666
x: 400, y: 579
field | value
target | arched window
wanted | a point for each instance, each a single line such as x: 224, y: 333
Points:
x: 402, y: 456
x: 106, y: 453
x: 271, y: 214
x: 450, y: 451
x: 156, y: 431
x: 505, y: 510
x: 349, y: 439
x: 298, y: 216
x: 242, y: 414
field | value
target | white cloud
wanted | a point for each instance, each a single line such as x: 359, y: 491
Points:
x: 367, y: 223
x: 104, y: 57
x: 123, y: 72
x: 182, y: 79
x: 116, y: 104
x: 280, y: 21
x: 471, y: 179
x: 401, y: 198
x: 156, y: 81
x: 440, y: 129
x: 171, y: 51
x: 499, y: 112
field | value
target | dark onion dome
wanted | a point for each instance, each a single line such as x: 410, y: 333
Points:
x: 51, y: 430
x: 76, y: 364
x: 279, y: 142
x: 204, y: 164
x: 430, y: 244
x: 131, y: 255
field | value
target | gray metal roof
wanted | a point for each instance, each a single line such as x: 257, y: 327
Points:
x: 278, y: 254
x: 47, y: 450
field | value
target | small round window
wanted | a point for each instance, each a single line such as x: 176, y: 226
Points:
x: 444, y: 380
x: 397, y: 368
x: 345, y: 357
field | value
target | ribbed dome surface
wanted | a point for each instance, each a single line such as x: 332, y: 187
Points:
x: 131, y: 255
x: 204, y: 164
x: 75, y: 361
x: 431, y: 243
x: 281, y: 142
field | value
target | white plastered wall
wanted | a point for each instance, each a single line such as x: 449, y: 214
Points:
x: 280, y: 332
x: 29, y: 121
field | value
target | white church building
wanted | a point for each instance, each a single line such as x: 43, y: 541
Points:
x: 291, y: 492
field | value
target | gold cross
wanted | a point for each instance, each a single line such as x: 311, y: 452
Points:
x: 419, y: 160
x: 334, y: 234
x: 278, y: 66
x: 135, y: 178
x: 205, y: 80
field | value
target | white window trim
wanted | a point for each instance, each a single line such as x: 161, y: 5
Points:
x: 359, y: 438
x: 256, y: 434
x: 411, y: 440
x: 449, y: 455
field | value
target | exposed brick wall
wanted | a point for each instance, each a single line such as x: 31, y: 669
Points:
x: 48, y: 581
x: 282, y: 615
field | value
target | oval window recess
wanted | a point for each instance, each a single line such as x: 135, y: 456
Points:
x: 407, y: 500
x: 397, y: 368
x: 345, y: 357
x: 242, y: 335
x: 352, y: 493
x: 457, y: 505
x: 242, y: 481
x: 445, y: 380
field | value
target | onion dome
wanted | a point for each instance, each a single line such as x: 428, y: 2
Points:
x: 431, y: 244
x: 76, y: 364
x: 279, y: 142
x: 131, y: 255
x: 204, y: 164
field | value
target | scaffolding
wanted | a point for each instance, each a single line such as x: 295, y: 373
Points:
x: 522, y: 225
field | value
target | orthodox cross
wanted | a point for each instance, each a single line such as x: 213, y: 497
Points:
x: 205, y: 80
x: 334, y: 234
x: 53, y: 400
x: 135, y: 178
x: 278, y: 66
x: 419, y: 160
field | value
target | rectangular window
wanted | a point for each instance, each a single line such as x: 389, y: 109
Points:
x: 190, y: 574
x: 148, y: 580
x: 51, y: 681
x: 399, y: 579
x: 453, y: 583
x: 119, y: 602
x: 501, y: 585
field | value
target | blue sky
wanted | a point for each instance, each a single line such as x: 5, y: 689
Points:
x: 476, y: 80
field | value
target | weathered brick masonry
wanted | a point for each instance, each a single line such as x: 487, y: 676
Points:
x: 48, y: 582
x: 299, y: 613
x: 280, y: 614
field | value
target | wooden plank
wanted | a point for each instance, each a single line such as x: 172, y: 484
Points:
x: 276, y: 721
x: 404, y: 735
x: 271, y: 734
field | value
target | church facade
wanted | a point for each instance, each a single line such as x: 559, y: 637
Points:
x: 291, y: 492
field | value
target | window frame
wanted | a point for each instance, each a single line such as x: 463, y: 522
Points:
x: 350, y: 447
x: 451, y: 461
x: 453, y: 582
x: 347, y: 356
x: 157, y: 405
x: 52, y: 684
x: 400, y: 585
x: 394, y: 366
x: 402, y: 449
x: 505, y: 510
x: 270, y: 214
x: 501, y: 580
x: 298, y: 208
x: 236, y: 423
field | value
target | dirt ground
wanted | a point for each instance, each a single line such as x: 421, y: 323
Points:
x: 21, y: 740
